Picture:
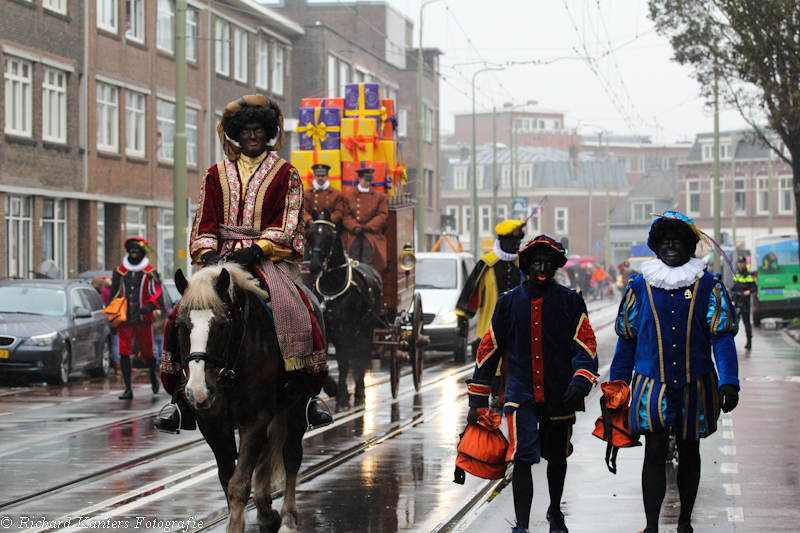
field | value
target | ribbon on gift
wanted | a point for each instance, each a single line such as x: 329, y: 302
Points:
x: 309, y: 176
x: 359, y: 142
x: 318, y: 131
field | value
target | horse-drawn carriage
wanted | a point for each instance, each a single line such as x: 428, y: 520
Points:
x: 369, y: 314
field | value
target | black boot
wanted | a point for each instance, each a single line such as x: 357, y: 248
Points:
x: 748, y: 346
x: 181, y: 417
x: 317, y: 417
x: 151, y: 365
x: 125, y: 365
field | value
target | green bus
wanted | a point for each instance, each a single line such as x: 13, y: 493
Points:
x: 778, y: 268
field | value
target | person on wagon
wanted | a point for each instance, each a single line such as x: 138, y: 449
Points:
x: 494, y: 273
x: 671, y: 316
x: 138, y: 282
x: 321, y: 195
x: 250, y: 212
x: 744, y: 284
x: 541, y: 336
x: 365, y: 220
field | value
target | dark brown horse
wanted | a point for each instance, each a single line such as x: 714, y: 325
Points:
x: 236, y: 379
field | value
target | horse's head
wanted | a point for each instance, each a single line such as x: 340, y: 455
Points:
x: 321, y: 240
x: 206, y: 329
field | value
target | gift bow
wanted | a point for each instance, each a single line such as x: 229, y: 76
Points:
x: 319, y: 131
x: 360, y: 142
x: 399, y: 173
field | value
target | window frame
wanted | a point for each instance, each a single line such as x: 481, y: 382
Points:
x: 101, y: 236
x: 110, y: 110
x: 57, y: 249
x: 18, y: 98
x: 107, y: 16
x: 690, y: 193
x: 454, y: 211
x: 534, y: 229
x: 466, y: 209
x: 163, y: 121
x: 785, y: 192
x: 134, y: 13
x: 192, y: 147
x: 135, y: 124
x: 222, y: 47
x: 525, y: 176
x: 460, y: 178
x: 191, y: 34
x: 737, y: 191
x: 57, y: 6
x: 165, y: 26
x: 561, y: 214
x: 486, y: 225
x: 165, y: 240
x: 645, y: 211
x: 278, y: 69
x: 50, y: 90
x: 262, y: 63
x: 139, y: 226
x: 762, y: 188
x: 402, y: 123
x: 240, y: 54
x: 20, y: 225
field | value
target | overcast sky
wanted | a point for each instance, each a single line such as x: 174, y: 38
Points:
x: 631, y: 86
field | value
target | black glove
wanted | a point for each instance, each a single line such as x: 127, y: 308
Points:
x: 472, y: 416
x: 149, y: 308
x: 463, y: 327
x: 247, y: 256
x: 728, y: 398
x: 573, y: 397
x: 356, y: 230
x: 210, y: 258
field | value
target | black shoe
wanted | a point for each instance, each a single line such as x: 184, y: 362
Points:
x: 747, y: 346
x: 154, y: 383
x: 127, y: 395
x: 176, y: 421
x: 685, y: 528
x: 316, y: 416
x: 556, y: 519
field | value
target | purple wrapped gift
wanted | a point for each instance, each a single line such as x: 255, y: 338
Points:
x: 362, y: 97
x: 319, y: 128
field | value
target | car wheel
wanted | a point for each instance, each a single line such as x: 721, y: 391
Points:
x: 460, y: 350
x: 105, y: 361
x: 62, y: 375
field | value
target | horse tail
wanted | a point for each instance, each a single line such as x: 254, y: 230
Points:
x: 276, y: 438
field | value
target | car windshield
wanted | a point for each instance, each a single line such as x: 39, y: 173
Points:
x: 436, y: 274
x: 33, y: 300
x: 173, y: 291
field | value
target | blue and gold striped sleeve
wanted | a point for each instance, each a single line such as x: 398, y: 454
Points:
x: 627, y: 325
x: 721, y: 315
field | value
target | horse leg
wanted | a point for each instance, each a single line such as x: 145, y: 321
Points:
x: 292, y: 451
x: 252, y: 439
x: 361, y: 354
x: 268, y: 518
x: 222, y: 441
x: 342, y: 395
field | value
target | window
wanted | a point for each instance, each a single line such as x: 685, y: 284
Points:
x: 191, y: 137
x: 628, y: 164
x: 402, y: 123
x: 641, y: 211
x: 222, y: 44
x: 429, y: 116
x: 59, y: 6
x: 556, y: 124
x: 526, y: 124
x: 19, y: 97
x: 134, y: 124
x: 134, y: 20
x: 262, y: 64
x: 166, y: 130
x: 460, y: 178
x: 486, y: 220
x: 54, y: 232
x: 763, y: 196
x: 785, y: 195
x: 525, y: 176
x: 640, y: 163
x: 533, y: 222
x: 107, y: 15
x: 668, y: 162
x: 479, y: 176
x: 18, y: 236
x: 721, y: 199
x: 338, y: 76
x: 500, y: 215
x: 240, y: 55
x: 693, y: 196
x: 520, y: 124
x: 739, y: 197
x: 107, y: 118
x: 277, y: 69
x: 54, y: 106
x: 344, y: 77
x: 467, y: 219
x: 165, y: 242
x: 561, y: 221
x: 452, y: 211
x: 651, y: 162
x: 165, y: 32
x: 101, y: 236
x: 191, y: 35
x: 135, y: 221
x: 505, y: 176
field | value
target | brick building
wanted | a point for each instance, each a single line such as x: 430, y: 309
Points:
x: 747, y: 197
x: 574, y: 183
x: 639, y: 154
x: 371, y: 42
x: 523, y: 126
x: 42, y: 177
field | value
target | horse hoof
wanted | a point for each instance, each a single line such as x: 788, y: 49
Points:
x: 340, y: 408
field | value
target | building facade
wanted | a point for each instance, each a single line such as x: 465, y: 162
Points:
x: 638, y: 154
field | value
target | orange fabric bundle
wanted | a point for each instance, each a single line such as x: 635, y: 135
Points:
x: 613, y: 425
x: 482, y: 448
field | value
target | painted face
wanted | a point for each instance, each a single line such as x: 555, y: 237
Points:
x: 253, y: 139
x: 541, y: 270
x: 673, y: 251
x: 510, y: 243
x: 135, y: 254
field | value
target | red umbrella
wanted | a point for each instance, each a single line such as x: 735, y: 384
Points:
x: 570, y: 264
x: 586, y: 259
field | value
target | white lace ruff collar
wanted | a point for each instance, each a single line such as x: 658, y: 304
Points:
x: 135, y: 268
x: 666, y: 277
x: 504, y: 256
x: 321, y: 187
x: 360, y: 189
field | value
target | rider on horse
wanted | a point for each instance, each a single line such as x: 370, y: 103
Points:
x: 250, y: 212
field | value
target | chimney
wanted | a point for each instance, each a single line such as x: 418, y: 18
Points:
x: 573, y: 157
x: 464, y: 155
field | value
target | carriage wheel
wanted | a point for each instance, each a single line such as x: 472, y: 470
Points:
x: 394, y: 371
x: 417, y: 346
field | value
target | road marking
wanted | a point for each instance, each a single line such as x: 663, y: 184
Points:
x: 729, y: 450
x: 730, y: 468
x: 732, y: 489
x: 735, y: 514
x: 727, y: 435
x: 726, y: 422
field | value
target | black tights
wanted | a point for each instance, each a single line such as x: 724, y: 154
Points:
x: 522, y: 483
x: 654, y: 476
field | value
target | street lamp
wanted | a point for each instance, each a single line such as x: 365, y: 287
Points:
x: 421, y: 201
x: 608, y: 193
x: 512, y: 133
x: 474, y: 208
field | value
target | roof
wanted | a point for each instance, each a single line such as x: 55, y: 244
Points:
x: 279, y: 19
x: 747, y: 145
x: 660, y: 186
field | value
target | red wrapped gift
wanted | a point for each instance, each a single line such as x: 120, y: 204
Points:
x: 388, y: 120
x: 322, y: 102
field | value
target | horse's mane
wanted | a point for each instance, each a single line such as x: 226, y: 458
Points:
x: 201, y: 292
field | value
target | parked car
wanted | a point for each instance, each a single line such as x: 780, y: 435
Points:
x: 439, y: 278
x: 52, y: 328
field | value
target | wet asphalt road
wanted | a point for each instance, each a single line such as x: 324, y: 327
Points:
x: 51, y: 435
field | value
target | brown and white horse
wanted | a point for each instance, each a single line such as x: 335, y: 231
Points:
x: 236, y: 379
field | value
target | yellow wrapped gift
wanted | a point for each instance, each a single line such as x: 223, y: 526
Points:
x: 359, y: 139
x: 387, y: 151
x: 303, y: 160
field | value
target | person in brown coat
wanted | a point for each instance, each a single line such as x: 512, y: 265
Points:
x: 365, y: 219
x: 321, y: 195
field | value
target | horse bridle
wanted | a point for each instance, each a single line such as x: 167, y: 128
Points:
x: 350, y: 264
x: 226, y: 375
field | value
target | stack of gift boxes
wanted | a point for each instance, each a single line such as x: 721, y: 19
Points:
x: 349, y: 133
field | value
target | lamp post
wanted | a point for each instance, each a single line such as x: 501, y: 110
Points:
x: 421, y: 201
x: 474, y: 208
x: 608, y: 196
x: 512, y: 134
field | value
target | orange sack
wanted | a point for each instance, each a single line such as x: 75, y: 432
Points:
x: 613, y: 425
x: 482, y: 448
